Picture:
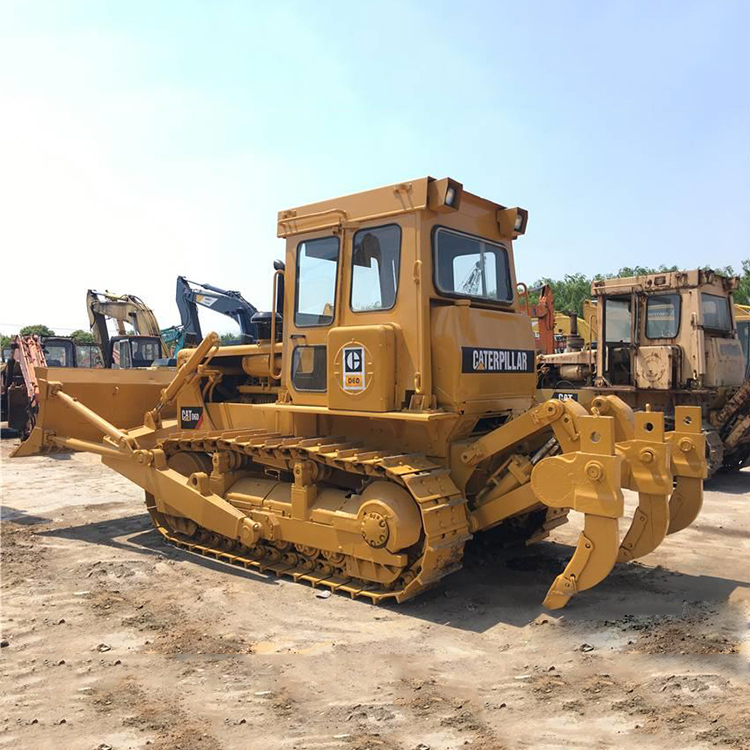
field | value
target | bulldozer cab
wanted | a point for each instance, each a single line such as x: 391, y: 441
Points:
x: 671, y: 330
x: 404, y: 299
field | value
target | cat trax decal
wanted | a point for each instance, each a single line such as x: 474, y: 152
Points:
x: 354, y: 368
x: 191, y: 417
x: 474, y: 359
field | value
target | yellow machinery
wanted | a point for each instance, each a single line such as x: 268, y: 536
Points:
x: 393, y: 418
x: 562, y: 330
x: 125, y: 350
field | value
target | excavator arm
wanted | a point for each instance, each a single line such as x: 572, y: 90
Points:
x: 190, y: 294
x: 122, y: 308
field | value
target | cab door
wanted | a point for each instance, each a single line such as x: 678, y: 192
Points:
x: 315, y: 261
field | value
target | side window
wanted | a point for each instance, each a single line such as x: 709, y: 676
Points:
x: 716, y: 312
x: 375, y: 266
x: 317, y: 269
x: 663, y: 316
x: 309, y: 368
x: 617, y: 322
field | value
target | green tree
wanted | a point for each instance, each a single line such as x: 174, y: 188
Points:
x: 569, y: 293
x: 5, y: 341
x: 38, y: 330
x: 83, y: 337
x: 742, y: 295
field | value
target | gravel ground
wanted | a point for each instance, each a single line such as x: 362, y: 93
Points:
x: 117, y: 640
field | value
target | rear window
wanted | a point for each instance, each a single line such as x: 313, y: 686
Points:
x: 467, y: 266
x: 663, y: 316
x: 715, y: 312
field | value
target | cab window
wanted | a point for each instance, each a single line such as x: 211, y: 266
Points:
x: 87, y: 355
x: 376, y: 255
x: 144, y: 352
x: 57, y: 355
x: 467, y: 266
x: 309, y: 368
x: 317, y: 269
x: 663, y: 316
x: 617, y: 320
x: 715, y: 312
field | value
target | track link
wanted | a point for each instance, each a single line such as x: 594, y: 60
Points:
x: 441, y: 503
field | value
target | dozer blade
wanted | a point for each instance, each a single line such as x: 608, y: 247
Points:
x: 121, y: 397
x: 587, y: 481
x: 591, y: 563
x: 648, y: 529
x: 685, y: 504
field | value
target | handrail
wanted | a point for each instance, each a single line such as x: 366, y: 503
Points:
x: 272, y: 351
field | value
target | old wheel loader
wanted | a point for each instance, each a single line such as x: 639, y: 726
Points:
x: 386, y: 415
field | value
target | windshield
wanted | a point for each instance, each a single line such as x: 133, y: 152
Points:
x: 468, y: 266
x: 58, y: 355
x: 715, y: 312
x: 144, y: 352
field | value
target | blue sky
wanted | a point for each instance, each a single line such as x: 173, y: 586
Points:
x: 141, y: 140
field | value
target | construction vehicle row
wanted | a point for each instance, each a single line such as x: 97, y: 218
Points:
x: 665, y: 339
x: 386, y: 414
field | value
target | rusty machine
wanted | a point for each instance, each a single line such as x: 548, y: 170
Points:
x: 386, y: 415
x: 666, y: 339
x: 19, y: 389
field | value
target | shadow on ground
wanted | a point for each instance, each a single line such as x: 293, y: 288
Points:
x: 7, y: 513
x: 136, y: 534
x: 735, y: 483
x: 494, y: 587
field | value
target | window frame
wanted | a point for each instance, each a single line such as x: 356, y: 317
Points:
x: 729, y: 313
x: 398, y: 268
x: 455, y: 295
x: 297, y: 278
x: 324, y: 347
x: 678, y: 316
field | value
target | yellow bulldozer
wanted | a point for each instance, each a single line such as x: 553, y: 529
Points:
x: 385, y: 415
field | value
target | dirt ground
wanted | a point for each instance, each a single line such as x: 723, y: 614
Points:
x: 117, y: 640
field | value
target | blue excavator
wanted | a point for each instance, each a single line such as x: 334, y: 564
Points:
x: 190, y: 295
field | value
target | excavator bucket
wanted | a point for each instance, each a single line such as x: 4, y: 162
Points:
x: 121, y: 397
